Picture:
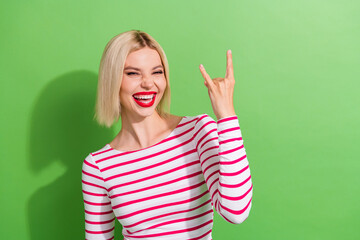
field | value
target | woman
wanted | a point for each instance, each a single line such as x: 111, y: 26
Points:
x: 162, y: 174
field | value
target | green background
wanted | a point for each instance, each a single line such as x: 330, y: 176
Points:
x: 297, y: 78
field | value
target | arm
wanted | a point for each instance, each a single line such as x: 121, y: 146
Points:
x: 99, y: 216
x: 225, y: 166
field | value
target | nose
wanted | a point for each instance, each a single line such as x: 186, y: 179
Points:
x: 147, y: 82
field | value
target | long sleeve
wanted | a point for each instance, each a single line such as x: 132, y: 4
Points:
x: 225, y: 166
x: 99, y: 216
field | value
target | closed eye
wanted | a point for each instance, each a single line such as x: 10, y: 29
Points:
x: 135, y: 73
x: 131, y: 73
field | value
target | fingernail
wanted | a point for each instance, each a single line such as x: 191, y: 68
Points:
x: 201, y: 66
x: 229, y: 51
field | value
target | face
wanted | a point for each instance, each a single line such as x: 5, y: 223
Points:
x: 143, y: 83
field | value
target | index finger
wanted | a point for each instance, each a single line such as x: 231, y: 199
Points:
x: 229, y: 65
x: 206, y: 76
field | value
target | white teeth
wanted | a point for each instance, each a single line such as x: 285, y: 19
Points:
x: 145, y: 101
x: 144, y: 96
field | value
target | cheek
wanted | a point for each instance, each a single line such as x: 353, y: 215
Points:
x: 162, y: 83
x: 126, y: 85
x: 125, y: 89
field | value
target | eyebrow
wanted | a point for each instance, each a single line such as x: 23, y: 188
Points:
x: 129, y: 67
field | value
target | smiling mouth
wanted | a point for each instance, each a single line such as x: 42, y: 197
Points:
x: 145, y: 99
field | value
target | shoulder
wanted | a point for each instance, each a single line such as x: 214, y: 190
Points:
x: 203, y: 123
x: 92, y: 157
x: 195, y: 120
x: 204, y: 118
x: 173, y: 120
x: 189, y: 120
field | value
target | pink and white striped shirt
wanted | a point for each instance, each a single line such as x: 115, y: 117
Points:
x: 168, y: 190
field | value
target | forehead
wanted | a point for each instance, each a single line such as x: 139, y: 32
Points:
x: 145, y: 57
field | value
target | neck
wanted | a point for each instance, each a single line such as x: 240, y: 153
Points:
x: 140, y: 132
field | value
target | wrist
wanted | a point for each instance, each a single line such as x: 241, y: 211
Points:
x: 225, y: 115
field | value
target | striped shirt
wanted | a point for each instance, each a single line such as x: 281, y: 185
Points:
x: 169, y: 190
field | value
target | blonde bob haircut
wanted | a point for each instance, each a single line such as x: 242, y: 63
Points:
x: 108, y: 108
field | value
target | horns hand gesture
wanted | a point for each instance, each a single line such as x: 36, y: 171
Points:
x: 221, y: 90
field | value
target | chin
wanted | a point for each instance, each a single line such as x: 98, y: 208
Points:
x: 145, y: 112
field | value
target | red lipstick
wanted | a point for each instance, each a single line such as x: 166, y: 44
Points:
x: 145, y: 99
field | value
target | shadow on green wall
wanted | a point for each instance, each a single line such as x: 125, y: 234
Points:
x: 62, y: 129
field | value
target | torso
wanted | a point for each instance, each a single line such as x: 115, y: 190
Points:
x: 160, y: 192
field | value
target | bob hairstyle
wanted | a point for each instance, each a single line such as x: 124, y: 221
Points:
x: 108, y: 108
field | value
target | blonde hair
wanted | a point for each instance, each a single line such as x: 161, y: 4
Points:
x: 108, y: 109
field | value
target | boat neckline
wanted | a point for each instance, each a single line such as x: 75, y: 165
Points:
x: 153, y: 145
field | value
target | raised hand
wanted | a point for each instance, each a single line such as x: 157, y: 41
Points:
x: 221, y: 90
